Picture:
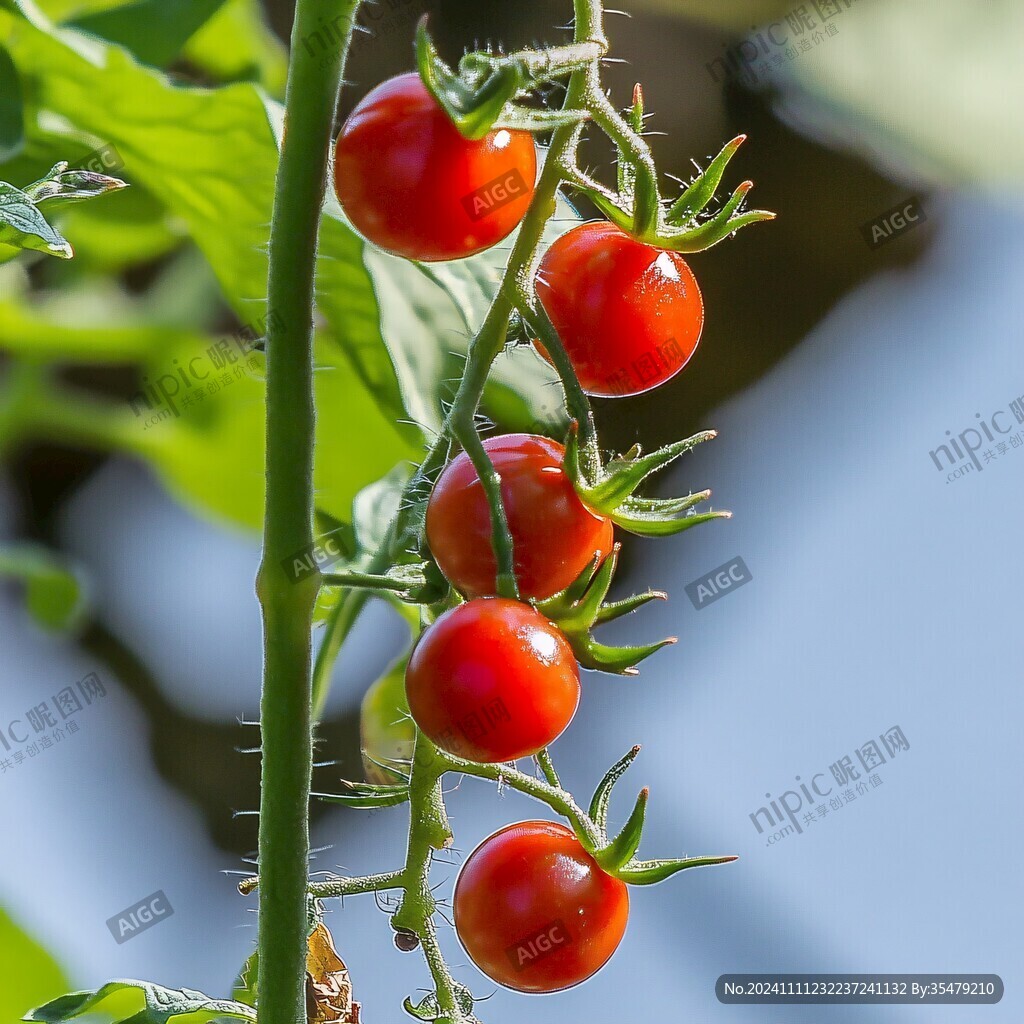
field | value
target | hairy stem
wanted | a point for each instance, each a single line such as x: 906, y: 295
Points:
x: 285, y: 713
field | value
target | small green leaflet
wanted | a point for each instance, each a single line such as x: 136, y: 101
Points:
x: 21, y: 223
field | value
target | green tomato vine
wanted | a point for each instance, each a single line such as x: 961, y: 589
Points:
x: 486, y: 91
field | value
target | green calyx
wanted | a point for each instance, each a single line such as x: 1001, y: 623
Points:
x: 481, y: 96
x: 617, y: 856
x: 612, y: 492
x: 581, y: 606
x: 682, y: 226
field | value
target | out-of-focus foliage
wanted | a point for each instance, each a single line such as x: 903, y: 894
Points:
x: 201, y: 163
x: 907, y: 83
x: 30, y: 974
x: 54, y: 595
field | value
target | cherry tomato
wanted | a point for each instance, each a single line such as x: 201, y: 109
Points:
x: 414, y: 186
x: 535, y: 911
x: 629, y: 314
x: 492, y: 680
x: 554, y: 534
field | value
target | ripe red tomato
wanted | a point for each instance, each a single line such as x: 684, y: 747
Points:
x: 492, y: 680
x: 554, y: 534
x: 411, y: 184
x: 629, y: 314
x: 535, y: 911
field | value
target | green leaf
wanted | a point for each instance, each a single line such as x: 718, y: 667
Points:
x: 23, y: 226
x: 53, y: 593
x: 644, y: 522
x: 70, y: 186
x: 237, y: 44
x: 366, y: 795
x: 599, y: 802
x: 702, y: 189
x: 650, y: 872
x: 30, y: 972
x: 472, y: 109
x: 12, y: 122
x: 622, y: 848
x: 152, y: 1004
x: 153, y: 30
x: 244, y: 990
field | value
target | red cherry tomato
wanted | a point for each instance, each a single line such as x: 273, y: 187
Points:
x: 411, y: 184
x: 629, y: 314
x: 535, y: 911
x: 492, y: 680
x: 554, y: 534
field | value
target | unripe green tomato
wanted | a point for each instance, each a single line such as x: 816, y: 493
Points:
x: 387, y: 733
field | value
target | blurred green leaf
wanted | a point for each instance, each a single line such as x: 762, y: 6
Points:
x: 30, y: 976
x: 927, y: 91
x: 151, y: 1004
x: 237, y: 44
x: 154, y: 30
x: 738, y: 15
x: 53, y: 593
x: 209, y: 157
x: 12, y: 123
x: 244, y: 990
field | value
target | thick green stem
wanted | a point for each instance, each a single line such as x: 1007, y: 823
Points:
x: 428, y: 831
x: 286, y: 719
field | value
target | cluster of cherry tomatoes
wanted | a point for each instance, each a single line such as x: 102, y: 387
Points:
x: 533, y: 909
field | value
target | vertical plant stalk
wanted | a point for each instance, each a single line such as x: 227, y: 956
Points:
x: 314, y: 77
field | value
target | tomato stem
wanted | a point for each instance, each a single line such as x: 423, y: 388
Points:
x: 286, y: 720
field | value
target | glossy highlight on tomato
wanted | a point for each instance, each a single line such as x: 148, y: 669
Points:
x: 629, y: 314
x: 554, y: 535
x: 492, y: 680
x: 534, y: 910
x: 414, y: 186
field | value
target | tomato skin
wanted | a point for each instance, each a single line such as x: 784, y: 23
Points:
x: 534, y: 910
x: 629, y: 314
x: 492, y: 680
x: 410, y: 183
x: 554, y: 534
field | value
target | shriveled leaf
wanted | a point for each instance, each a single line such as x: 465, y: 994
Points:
x: 328, y: 985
